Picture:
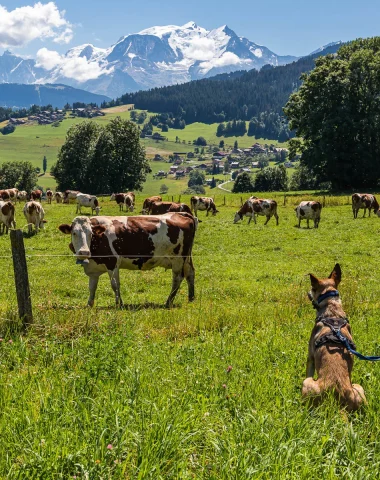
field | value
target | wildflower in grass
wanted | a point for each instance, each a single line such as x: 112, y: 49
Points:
x: 1, y: 339
x: 224, y: 385
x: 229, y: 368
x: 97, y: 462
x: 10, y: 341
x: 109, y: 446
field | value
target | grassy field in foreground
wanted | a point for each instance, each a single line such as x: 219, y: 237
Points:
x: 147, y: 393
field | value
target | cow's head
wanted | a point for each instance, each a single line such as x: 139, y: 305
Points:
x: 238, y: 217
x: 81, y: 231
x: 97, y: 209
x: 131, y: 207
x: 215, y: 211
x: 113, y: 196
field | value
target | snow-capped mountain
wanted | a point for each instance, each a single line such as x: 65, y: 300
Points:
x: 153, y: 57
x: 332, y: 44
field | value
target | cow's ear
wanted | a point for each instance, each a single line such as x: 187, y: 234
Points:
x: 336, y: 274
x: 314, y: 281
x: 64, y: 228
x: 98, y: 230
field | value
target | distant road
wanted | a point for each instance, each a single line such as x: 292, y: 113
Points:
x: 220, y: 185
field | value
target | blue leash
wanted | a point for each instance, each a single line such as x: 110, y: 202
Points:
x: 345, y: 342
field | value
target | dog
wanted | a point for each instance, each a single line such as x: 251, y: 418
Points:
x: 327, y: 354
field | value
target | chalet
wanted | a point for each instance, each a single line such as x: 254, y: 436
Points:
x: 203, y: 166
x: 255, y: 165
x: 179, y: 173
x: 190, y: 155
x: 173, y: 169
x: 220, y: 155
x: 257, y: 148
x: 246, y: 169
x: 247, y: 151
x: 235, y: 165
x: 157, y: 158
x: 157, y: 136
x: 289, y: 165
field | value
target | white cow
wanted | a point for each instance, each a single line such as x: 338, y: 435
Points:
x: 22, y: 196
x: 84, y: 200
x: 58, y: 197
x: 34, y: 214
x: 7, y: 216
x: 309, y: 211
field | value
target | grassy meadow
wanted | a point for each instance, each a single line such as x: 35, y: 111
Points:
x: 207, y: 390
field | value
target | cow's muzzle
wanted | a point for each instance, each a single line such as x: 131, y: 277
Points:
x: 83, y: 254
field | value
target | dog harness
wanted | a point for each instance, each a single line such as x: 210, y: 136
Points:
x: 335, y: 325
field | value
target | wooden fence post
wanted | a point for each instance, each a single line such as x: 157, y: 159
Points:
x: 179, y: 199
x: 241, y: 200
x: 324, y: 201
x: 21, y: 278
x: 172, y: 198
x: 284, y: 200
x: 224, y: 200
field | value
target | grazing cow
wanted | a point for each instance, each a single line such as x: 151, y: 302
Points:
x: 49, y: 195
x: 106, y: 244
x: 4, y: 195
x: 257, y: 206
x: 36, y: 195
x: 70, y: 195
x: 129, y: 201
x: 12, y: 194
x: 309, y: 211
x: 119, y: 198
x: 84, y: 200
x: 34, y: 214
x: 22, y: 196
x: 58, y: 197
x: 159, y: 208
x: 202, y: 204
x: 148, y: 201
x: 364, y: 200
x: 7, y: 216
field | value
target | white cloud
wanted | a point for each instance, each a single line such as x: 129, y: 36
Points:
x: 227, y: 59
x: 78, y: 68
x: 22, y: 25
x: 201, y: 49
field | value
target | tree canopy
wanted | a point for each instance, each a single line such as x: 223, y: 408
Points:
x: 337, y: 113
x: 21, y: 175
x: 100, y: 159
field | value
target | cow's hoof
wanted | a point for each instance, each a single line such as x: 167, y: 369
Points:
x: 90, y: 304
x: 191, y: 299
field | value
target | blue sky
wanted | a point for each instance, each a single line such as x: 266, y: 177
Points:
x: 295, y: 28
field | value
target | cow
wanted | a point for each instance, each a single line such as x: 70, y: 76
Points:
x: 257, y: 206
x: 129, y: 201
x: 34, y: 214
x: 148, y: 201
x: 106, y: 244
x: 12, y: 194
x: 364, y: 200
x: 84, y: 200
x: 49, y: 195
x: 4, y: 195
x: 309, y: 211
x: 119, y: 198
x: 7, y: 216
x: 202, y: 204
x: 58, y: 197
x: 159, y: 208
x: 70, y: 195
x: 36, y: 195
x: 22, y: 196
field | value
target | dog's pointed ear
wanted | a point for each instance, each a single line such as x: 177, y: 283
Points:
x: 336, y: 274
x: 314, y: 281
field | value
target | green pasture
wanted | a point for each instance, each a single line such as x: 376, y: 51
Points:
x: 146, y: 392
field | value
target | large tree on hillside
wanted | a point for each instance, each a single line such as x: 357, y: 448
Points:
x: 337, y: 113
x: 102, y: 159
x: 22, y: 175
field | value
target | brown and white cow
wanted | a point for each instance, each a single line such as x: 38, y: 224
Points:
x: 49, y: 196
x: 159, y: 208
x: 90, y: 201
x: 309, y: 211
x: 148, y: 201
x: 119, y: 199
x: 58, y: 197
x: 366, y: 201
x: 202, y: 204
x: 22, y: 196
x: 34, y: 214
x: 36, y: 195
x: 70, y: 195
x: 107, y: 244
x: 257, y: 206
x: 7, y: 216
x: 9, y: 194
x: 4, y: 195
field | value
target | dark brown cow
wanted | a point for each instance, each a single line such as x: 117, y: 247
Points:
x: 257, y: 206
x: 49, y: 195
x: 202, y: 204
x: 106, y: 244
x: 159, y: 208
x: 148, y: 201
x: 36, y: 195
x: 127, y: 199
x: 364, y: 200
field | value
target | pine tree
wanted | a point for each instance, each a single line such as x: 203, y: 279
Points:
x: 44, y: 164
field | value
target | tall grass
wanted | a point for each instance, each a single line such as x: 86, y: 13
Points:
x: 146, y: 392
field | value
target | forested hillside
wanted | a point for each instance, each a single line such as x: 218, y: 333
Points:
x: 238, y: 96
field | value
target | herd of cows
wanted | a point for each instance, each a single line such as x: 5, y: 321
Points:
x: 162, y: 235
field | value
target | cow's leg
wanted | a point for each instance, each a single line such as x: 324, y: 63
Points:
x: 267, y: 220
x: 276, y: 217
x: 115, y: 284
x: 308, y: 226
x: 254, y: 218
x: 37, y: 224
x: 92, y: 286
x: 190, y: 277
x: 299, y: 222
x: 365, y: 210
x: 250, y: 219
x: 178, y: 274
x: 77, y: 209
x: 207, y: 212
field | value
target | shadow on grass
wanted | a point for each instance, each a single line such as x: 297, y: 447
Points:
x: 127, y: 306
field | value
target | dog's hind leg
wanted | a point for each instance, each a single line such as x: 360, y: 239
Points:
x: 311, y: 388
x: 356, y: 398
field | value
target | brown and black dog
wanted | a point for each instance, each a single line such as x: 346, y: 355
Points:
x: 327, y: 355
